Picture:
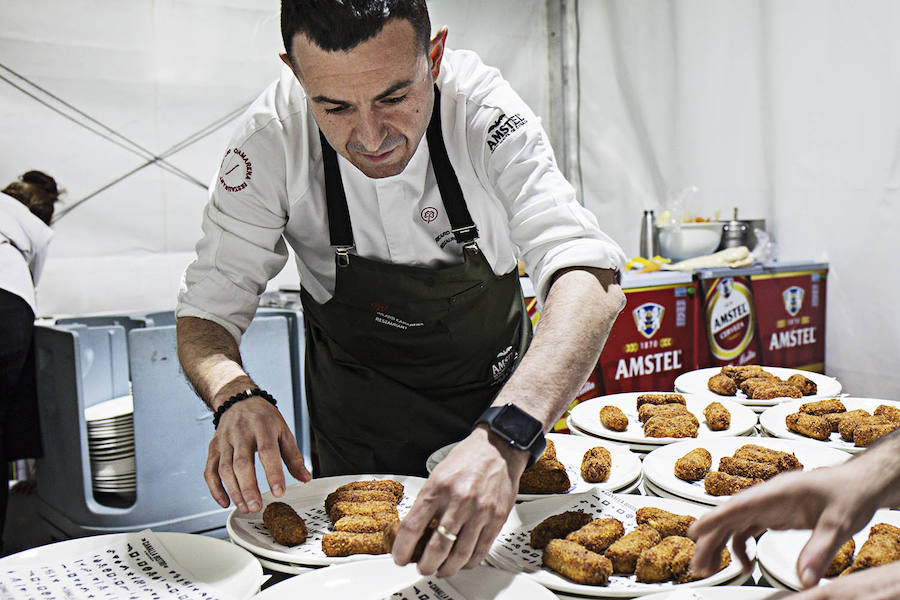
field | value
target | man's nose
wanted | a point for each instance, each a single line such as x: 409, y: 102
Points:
x: 370, y: 132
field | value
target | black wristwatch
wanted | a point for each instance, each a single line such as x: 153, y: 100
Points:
x: 516, y: 427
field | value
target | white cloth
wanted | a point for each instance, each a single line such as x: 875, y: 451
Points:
x: 23, y: 245
x: 270, y: 188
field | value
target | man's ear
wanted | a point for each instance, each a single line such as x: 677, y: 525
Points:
x: 436, y: 52
x: 287, y: 60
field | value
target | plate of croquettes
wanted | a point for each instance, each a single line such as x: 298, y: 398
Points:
x: 753, y: 385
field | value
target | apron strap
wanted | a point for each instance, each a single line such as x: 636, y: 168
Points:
x: 339, y: 228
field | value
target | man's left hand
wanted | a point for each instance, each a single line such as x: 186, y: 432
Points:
x: 469, y: 494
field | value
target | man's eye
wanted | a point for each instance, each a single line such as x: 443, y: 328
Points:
x: 395, y: 100
x: 335, y: 110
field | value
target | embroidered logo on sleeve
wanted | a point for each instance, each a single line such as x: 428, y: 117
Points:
x: 429, y: 214
x: 502, y: 128
x: 236, y: 170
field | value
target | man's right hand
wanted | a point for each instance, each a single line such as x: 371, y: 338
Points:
x: 249, y: 427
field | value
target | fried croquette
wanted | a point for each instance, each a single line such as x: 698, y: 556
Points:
x: 545, y: 477
x: 597, y: 535
x: 833, y: 420
x: 867, y: 433
x: 806, y: 385
x: 850, y: 421
x: 549, y: 450
x: 776, y: 390
x: 391, y: 530
x: 842, y: 559
x: 740, y: 374
x: 722, y: 385
x: 694, y: 465
x: 365, y: 523
x: 823, y: 407
x: 784, y: 460
x: 889, y: 412
x: 881, y: 547
x: 395, y: 487
x: 680, y: 426
x: 346, y: 543
x: 717, y: 416
x: 625, y: 551
x: 723, y: 484
x: 748, y: 385
x: 342, y: 508
x: 358, y: 496
x: 596, y: 464
x: 747, y: 468
x: 558, y: 526
x: 659, y: 399
x: 613, y: 418
x: 690, y: 576
x: 811, y: 426
x: 577, y: 563
x: 663, y: 521
x: 286, y: 526
x: 648, y: 411
x: 669, y: 559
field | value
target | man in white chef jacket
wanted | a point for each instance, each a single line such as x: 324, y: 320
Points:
x: 408, y: 178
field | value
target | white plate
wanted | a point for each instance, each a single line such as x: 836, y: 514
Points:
x: 772, y: 421
x: 117, y: 407
x: 511, y: 550
x: 282, y: 567
x: 640, y: 449
x: 378, y: 579
x: 308, y: 499
x: 659, y: 465
x: 586, y: 416
x: 722, y: 592
x: 570, y: 449
x: 695, y: 382
x: 779, y: 550
x: 215, y: 562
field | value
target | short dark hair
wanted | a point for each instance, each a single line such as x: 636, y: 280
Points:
x: 335, y: 25
x: 38, y: 195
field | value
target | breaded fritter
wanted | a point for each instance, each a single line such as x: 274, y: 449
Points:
x: 748, y: 385
x: 680, y: 426
x: 648, y: 411
x: 613, y: 418
x: 889, y: 412
x: 776, y: 390
x: 341, y: 508
x: 365, y: 523
x: 549, y: 450
x: 783, y: 460
x: 665, y: 522
x: 694, y: 465
x: 747, y: 468
x: 689, y: 574
x: 286, y: 526
x: 660, y: 399
x: 811, y: 426
x: 881, y: 547
x: 625, y: 551
x: 358, y: 496
x: 346, y: 543
x: 597, y: 535
x: 823, y: 407
x: 722, y: 385
x: 867, y: 433
x: 669, y: 559
x: 723, y: 484
x: 596, y: 465
x: 850, y: 421
x: 558, y: 526
x: 743, y: 373
x: 546, y: 476
x: 833, y: 420
x: 842, y: 559
x: 395, y: 487
x: 577, y: 562
x: 717, y: 416
x: 806, y: 385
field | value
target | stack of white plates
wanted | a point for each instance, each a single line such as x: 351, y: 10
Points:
x: 110, y: 428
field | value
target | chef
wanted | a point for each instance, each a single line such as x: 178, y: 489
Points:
x: 408, y: 178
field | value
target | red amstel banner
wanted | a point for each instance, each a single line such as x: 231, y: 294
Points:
x: 790, y: 309
x: 730, y: 321
x: 651, y: 342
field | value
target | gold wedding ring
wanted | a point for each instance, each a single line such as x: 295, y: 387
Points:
x: 446, y: 533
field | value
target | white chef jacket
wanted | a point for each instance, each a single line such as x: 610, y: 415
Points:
x: 270, y: 191
x: 23, y: 244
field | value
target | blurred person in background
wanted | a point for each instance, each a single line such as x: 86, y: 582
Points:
x: 26, y: 207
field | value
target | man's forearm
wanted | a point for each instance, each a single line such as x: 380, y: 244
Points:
x: 211, y: 360
x: 576, y: 320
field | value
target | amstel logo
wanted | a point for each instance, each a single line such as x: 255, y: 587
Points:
x: 648, y: 318
x: 793, y: 299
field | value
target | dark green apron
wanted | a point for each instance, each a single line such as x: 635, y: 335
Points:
x: 403, y: 359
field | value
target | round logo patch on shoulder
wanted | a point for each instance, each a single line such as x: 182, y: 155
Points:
x: 236, y: 170
x: 429, y: 214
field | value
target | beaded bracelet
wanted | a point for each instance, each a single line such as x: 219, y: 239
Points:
x: 237, y: 398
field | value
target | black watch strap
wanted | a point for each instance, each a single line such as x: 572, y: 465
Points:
x: 517, y: 428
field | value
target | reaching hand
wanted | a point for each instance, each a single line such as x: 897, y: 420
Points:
x: 879, y: 583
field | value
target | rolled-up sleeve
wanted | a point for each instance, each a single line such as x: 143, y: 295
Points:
x: 242, y: 245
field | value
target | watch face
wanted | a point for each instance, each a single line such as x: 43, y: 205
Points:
x: 517, y: 425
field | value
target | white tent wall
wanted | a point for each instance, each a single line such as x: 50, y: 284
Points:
x: 157, y: 72
x: 788, y: 110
